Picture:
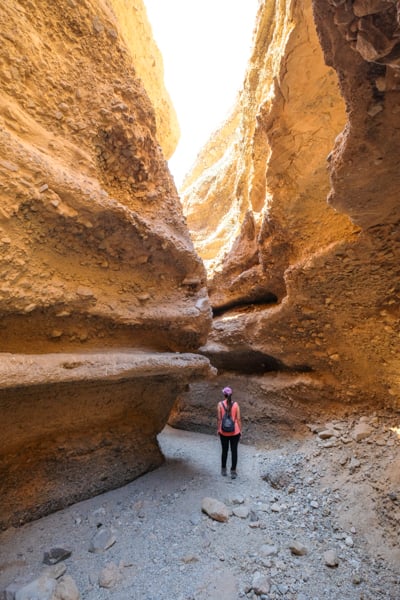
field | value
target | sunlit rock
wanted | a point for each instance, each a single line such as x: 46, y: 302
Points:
x: 298, y: 214
x: 96, y: 259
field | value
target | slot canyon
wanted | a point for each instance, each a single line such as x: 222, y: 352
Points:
x: 126, y: 306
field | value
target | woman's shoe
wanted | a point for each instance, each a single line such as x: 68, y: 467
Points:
x: 233, y: 474
x: 223, y: 471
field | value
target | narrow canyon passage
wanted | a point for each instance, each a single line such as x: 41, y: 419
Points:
x: 126, y: 305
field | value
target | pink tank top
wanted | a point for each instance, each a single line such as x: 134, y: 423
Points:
x: 234, y: 411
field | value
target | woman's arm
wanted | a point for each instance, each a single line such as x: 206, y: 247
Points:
x: 239, y: 418
x: 219, y: 416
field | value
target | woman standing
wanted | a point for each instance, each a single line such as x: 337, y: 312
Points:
x: 229, y: 433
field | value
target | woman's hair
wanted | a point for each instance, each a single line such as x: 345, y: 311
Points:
x: 227, y: 392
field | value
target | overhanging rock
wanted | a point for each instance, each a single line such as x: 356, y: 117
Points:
x: 76, y: 425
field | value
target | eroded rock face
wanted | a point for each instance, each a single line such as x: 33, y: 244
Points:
x: 94, y: 252
x: 92, y: 235
x: 76, y: 425
x: 298, y: 283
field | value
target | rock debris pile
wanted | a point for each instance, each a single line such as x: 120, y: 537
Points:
x: 306, y: 519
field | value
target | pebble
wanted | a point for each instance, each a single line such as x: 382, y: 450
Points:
x: 241, y: 511
x: 349, y: 541
x: 330, y: 558
x: 109, y: 575
x: 215, y: 509
x: 297, y: 548
x: 102, y: 540
x: 261, y: 584
x: 361, y: 431
x: 269, y: 550
x: 56, y: 555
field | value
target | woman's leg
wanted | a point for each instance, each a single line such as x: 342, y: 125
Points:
x: 234, y: 440
x: 225, y: 447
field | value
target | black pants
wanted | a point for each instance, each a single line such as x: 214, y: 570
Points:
x: 232, y: 441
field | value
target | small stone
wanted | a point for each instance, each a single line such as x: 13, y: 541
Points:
x: 237, y: 500
x: 109, y: 575
x: 56, y: 333
x: 30, y: 308
x: 56, y: 555
x: 191, y: 558
x: 269, y: 550
x: 357, y: 579
x: 143, y: 297
x: 298, y: 549
x: 361, y: 431
x: 215, y: 509
x: 260, y: 584
x: 43, y: 188
x: 374, y: 109
x: 241, y: 511
x: 331, y: 559
x: 380, y: 83
x: 326, y: 434
x: 102, y: 540
x: 349, y: 541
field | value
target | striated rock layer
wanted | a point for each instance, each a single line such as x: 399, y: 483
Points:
x: 94, y: 252
x: 76, y: 425
x: 298, y: 215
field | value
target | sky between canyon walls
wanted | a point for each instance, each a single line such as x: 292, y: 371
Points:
x: 205, y: 45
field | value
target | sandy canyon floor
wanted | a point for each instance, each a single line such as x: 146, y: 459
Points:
x: 310, y: 518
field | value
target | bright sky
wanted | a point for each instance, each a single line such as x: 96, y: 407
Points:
x: 205, y: 46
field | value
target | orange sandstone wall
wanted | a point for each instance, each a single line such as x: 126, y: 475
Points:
x: 302, y: 249
x: 98, y: 272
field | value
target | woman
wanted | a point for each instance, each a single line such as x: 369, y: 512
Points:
x: 229, y: 438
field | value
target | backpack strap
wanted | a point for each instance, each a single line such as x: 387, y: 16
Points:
x: 226, y: 409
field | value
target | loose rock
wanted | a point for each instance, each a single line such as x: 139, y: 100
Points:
x: 330, y: 558
x: 297, y: 548
x: 103, y: 540
x: 109, y: 575
x: 215, y: 509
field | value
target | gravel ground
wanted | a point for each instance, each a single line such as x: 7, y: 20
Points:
x: 289, y: 506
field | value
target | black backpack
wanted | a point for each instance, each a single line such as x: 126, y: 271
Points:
x: 228, y: 424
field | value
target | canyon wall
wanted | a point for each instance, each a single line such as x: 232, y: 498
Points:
x: 293, y: 205
x: 102, y: 296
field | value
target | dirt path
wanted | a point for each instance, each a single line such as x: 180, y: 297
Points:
x: 167, y: 549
